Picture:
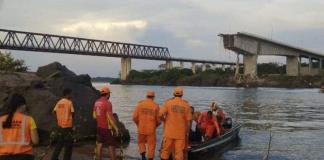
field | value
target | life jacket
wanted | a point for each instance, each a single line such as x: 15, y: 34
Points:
x: 63, y: 111
x: 15, y: 140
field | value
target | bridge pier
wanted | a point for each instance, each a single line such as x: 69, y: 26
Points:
x: 203, y: 67
x: 193, y: 67
x: 250, y: 64
x: 168, y: 65
x: 181, y: 65
x: 292, y: 66
x: 223, y: 67
x: 316, y: 66
x: 126, y: 67
x: 237, y: 65
x: 304, y: 70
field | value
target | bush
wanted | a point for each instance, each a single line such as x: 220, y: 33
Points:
x: 9, y: 64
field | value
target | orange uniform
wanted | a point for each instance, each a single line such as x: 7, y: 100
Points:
x: 64, y: 110
x: 208, y: 125
x: 16, y: 140
x: 177, y: 117
x: 146, y: 117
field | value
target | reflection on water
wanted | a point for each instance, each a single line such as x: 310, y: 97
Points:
x: 295, y: 118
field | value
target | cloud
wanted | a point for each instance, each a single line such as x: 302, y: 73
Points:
x: 1, y: 4
x: 100, y: 25
x: 189, y: 28
x: 125, y: 31
x: 195, y: 43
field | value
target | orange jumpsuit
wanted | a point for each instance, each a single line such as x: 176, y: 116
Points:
x: 177, y: 117
x: 146, y: 117
x: 208, y: 126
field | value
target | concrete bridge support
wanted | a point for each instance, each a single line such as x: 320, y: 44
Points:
x: 203, y: 67
x: 181, y: 65
x: 168, y: 65
x: 250, y: 64
x: 292, y: 66
x: 193, y: 68
x: 126, y: 67
x: 237, y: 65
x: 223, y: 67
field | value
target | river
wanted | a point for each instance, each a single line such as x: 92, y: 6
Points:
x: 294, y: 116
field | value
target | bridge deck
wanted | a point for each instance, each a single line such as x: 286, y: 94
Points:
x: 248, y: 40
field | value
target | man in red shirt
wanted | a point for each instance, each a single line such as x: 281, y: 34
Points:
x: 106, y: 124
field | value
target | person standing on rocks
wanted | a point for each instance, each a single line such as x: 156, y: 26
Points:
x: 64, y: 113
x: 17, y: 131
x: 107, y: 129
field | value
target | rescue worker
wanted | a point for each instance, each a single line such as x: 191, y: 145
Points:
x: 177, y: 117
x: 64, y: 111
x: 106, y: 125
x: 218, y: 112
x: 208, y: 124
x: 146, y: 118
x: 17, y: 131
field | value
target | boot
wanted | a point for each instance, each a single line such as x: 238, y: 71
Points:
x: 143, y: 156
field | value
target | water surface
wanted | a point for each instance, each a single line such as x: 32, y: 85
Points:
x: 294, y: 116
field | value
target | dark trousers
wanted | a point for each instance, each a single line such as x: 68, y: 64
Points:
x: 64, y: 140
x: 17, y: 157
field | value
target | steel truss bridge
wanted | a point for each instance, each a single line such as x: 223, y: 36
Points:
x: 39, y: 42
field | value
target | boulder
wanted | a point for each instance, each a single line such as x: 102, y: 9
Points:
x: 54, y: 68
x: 42, y: 91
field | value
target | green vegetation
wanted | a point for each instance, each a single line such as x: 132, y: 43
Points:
x: 269, y: 75
x: 271, y: 68
x: 9, y: 64
x: 180, y: 77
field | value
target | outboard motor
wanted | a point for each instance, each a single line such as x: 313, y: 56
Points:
x: 227, y: 124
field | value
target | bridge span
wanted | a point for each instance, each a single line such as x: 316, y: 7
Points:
x: 251, y: 46
x: 40, y: 42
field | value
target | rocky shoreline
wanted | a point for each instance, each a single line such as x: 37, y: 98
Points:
x: 43, y: 89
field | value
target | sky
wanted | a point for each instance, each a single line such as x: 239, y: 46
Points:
x: 189, y: 28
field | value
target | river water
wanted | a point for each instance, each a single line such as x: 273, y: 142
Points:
x: 294, y: 116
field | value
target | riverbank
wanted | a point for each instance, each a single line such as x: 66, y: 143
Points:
x: 219, y: 78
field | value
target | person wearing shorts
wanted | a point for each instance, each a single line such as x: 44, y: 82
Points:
x: 106, y: 125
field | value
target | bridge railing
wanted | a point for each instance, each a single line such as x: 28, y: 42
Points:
x: 28, y: 41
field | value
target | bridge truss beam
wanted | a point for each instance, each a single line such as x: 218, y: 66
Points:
x: 29, y: 41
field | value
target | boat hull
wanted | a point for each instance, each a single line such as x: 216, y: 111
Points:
x: 215, y: 145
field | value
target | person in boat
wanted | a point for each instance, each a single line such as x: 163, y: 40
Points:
x: 224, y: 122
x: 209, y: 124
x: 218, y: 112
x: 177, y: 117
x: 146, y: 118
x: 18, y: 131
x: 194, y: 132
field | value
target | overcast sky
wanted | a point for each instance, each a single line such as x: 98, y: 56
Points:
x: 189, y: 28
